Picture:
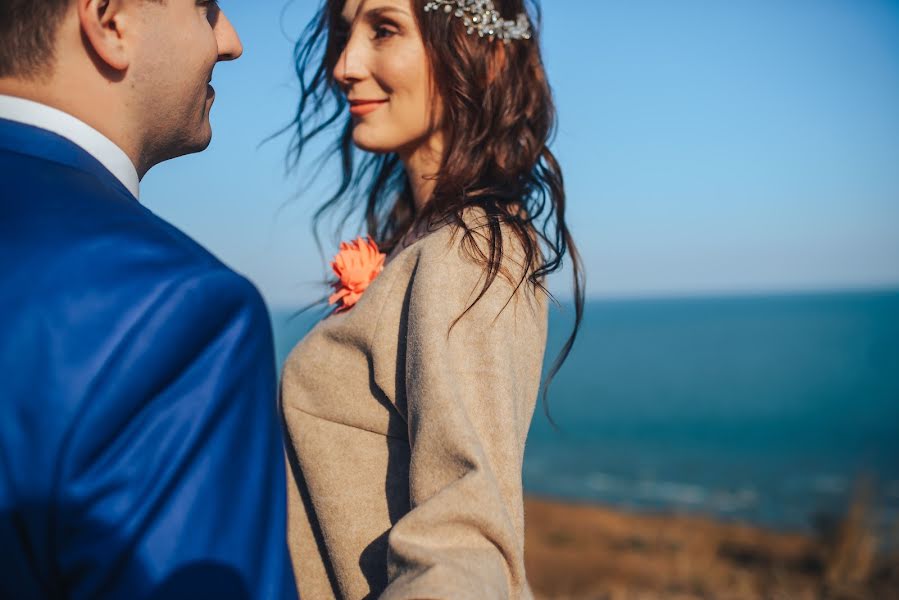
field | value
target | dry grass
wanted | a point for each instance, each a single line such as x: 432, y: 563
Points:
x: 585, y: 552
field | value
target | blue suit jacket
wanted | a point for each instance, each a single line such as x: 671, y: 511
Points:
x: 140, y: 448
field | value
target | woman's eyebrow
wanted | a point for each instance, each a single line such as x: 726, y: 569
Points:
x: 372, y: 14
x: 379, y: 11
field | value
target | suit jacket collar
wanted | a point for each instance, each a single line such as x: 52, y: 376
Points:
x: 33, y: 141
x: 101, y: 148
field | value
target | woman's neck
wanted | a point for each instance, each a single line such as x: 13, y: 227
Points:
x: 422, y: 165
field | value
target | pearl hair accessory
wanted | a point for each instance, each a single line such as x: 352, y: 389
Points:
x: 482, y: 17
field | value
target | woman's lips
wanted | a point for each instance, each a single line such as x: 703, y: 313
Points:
x: 360, y: 108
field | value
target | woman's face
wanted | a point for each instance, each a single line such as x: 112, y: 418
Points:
x: 384, y: 72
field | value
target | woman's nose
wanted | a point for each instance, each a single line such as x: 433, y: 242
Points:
x: 350, y: 65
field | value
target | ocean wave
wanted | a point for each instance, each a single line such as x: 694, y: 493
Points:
x: 673, y: 493
x: 830, y: 484
x: 600, y: 482
x: 728, y: 502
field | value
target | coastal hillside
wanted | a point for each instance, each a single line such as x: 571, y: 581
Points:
x: 585, y: 552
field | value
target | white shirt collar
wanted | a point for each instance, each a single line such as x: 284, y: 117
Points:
x: 76, y: 131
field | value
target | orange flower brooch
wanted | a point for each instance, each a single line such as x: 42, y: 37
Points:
x: 356, y: 265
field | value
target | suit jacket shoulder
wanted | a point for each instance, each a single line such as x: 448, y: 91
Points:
x: 137, y: 405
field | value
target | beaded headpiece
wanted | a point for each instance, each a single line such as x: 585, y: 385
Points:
x: 482, y: 17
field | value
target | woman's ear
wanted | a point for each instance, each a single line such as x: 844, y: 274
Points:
x: 103, y: 23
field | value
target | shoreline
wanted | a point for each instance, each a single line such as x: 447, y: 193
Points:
x: 578, y: 550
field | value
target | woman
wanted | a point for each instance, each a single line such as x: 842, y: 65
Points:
x: 407, y: 408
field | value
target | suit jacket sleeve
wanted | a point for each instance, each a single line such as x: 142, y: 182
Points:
x: 171, y: 479
x: 471, y: 386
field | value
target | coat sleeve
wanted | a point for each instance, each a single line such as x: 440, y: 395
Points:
x: 471, y: 386
x: 171, y: 482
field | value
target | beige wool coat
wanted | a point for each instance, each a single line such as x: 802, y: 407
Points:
x: 406, y: 433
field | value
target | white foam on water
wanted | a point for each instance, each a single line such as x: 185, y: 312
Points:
x: 599, y: 482
x: 728, y: 501
x: 830, y: 484
x: 675, y: 493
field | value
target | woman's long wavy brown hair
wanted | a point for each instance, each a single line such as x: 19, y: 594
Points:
x: 498, y: 119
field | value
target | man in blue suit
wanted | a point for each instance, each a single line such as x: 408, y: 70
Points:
x: 140, y: 449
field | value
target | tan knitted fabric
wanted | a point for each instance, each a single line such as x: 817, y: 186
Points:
x: 406, y: 436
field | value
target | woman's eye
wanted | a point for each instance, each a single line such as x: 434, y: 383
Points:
x: 384, y: 31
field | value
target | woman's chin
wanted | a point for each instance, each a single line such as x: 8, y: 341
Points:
x: 373, y: 143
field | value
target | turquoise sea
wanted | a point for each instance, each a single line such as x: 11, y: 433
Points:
x: 760, y: 409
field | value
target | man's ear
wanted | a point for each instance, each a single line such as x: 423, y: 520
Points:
x: 104, y: 23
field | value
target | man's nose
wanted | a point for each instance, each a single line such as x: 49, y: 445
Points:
x: 226, y: 36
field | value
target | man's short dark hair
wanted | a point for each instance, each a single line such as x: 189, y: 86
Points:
x: 28, y: 34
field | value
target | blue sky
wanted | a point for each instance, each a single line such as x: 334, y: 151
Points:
x: 708, y: 147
